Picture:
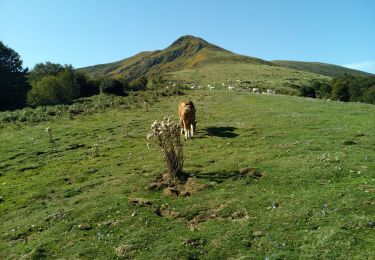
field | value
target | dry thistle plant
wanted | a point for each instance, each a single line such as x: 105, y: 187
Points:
x: 146, y: 106
x: 49, y: 132
x: 166, y: 134
x: 95, y: 151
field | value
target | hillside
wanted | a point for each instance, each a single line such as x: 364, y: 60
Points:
x: 192, y: 59
x: 329, y: 70
x: 185, y: 53
x: 272, y: 177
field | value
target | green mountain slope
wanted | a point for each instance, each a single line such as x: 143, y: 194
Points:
x: 192, y: 59
x: 185, y: 53
x: 320, y: 68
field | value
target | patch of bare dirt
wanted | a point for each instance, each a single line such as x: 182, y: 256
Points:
x: 173, y: 187
x: 165, y: 212
x: 140, y: 202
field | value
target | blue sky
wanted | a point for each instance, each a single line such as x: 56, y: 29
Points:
x: 84, y: 32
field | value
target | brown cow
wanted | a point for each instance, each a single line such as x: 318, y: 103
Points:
x: 186, y: 112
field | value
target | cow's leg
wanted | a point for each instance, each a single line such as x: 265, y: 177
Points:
x: 192, y: 130
x: 185, y: 129
x: 182, y: 127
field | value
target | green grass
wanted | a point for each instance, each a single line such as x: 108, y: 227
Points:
x: 314, y: 200
x: 320, y: 68
x: 282, y: 80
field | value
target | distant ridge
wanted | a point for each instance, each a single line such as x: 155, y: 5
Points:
x: 320, y: 68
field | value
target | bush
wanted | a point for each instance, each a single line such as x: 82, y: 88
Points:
x: 138, y: 84
x: 87, y: 87
x: 307, y: 91
x: 322, y: 89
x: 112, y: 86
x: 48, y: 91
x: 369, y: 95
x: 166, y: 134
x: 54, y: 89
x: 340, y: 90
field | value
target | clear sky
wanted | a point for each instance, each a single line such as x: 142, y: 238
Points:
x: 84, y: 32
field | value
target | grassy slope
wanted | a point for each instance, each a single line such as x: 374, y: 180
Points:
x: 109, y: 68
x: 193, y: 59
x: 185, y: 53
x: 325, y: 189
x: 265, y: 76
x: 320, y: 68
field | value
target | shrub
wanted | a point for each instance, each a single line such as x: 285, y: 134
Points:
x: 54, y: 89
x: 340, y: 90
x: 87, y: 87
x: 111, y: 86
x: 307, y: 91
x: 138, y: 84
x: 166, y: 134
x: 369, y: 95
x: 47, y: 91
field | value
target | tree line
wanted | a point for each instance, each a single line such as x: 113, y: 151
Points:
x: 51, y: 83
x: 347, y: 88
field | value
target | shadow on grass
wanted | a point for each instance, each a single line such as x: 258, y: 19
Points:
x: 220, y: 177
x: 217, y: 177
x: 226, y: 132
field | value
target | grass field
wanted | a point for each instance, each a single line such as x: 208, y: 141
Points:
x: 273, y: 177
x: 282, y: 80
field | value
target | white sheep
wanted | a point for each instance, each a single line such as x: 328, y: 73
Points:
x: 212, y: 88
x: 230, y: 88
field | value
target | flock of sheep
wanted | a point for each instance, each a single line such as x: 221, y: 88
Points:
x: 230, y: 88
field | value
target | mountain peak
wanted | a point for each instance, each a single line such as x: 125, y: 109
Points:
x: 189, y: 40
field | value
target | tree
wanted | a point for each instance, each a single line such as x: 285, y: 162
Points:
x: 322, y: 89
x: 340, y: 90
x: 307, y: 91
x: 111, y: 86
x: 369, y: 95
x: 41, y: 70
x: 47, y: 91
x: 87, y: 87
x: 68, y: 81
x: 138, y: 84
x: 13, y: 81
x: 50, y: 89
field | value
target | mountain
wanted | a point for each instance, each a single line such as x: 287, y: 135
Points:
x: 187, y: 52
x: 192, y: 59
x: 320, y: 68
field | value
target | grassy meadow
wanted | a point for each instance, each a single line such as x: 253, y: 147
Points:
x: 272, y: 177
x: 282, y: 80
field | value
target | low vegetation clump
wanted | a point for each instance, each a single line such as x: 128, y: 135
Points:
x: 166, y: 134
